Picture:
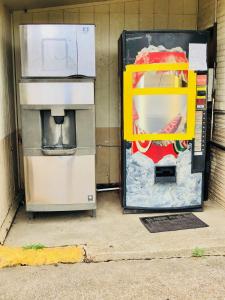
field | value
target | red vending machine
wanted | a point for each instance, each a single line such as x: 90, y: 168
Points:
x: 164, y: 108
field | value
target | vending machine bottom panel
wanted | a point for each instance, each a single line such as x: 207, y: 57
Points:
x: 161, y: 181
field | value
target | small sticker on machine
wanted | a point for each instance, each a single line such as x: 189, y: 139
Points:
x: 85, y: 29
x: 198, y: 153
x: 198, y: 57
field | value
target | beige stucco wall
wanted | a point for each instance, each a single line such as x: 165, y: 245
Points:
x: 217, y: 187
x: 206, y: 13
x: 8, y: 169
x: 209, y: 12
x: 111, y: 17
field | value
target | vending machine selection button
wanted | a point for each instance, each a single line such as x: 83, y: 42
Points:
x: 201, y: 93
x: 201, y: 103
x: 201, y: 80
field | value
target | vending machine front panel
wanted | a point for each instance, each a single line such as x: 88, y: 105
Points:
x: 164, y: 173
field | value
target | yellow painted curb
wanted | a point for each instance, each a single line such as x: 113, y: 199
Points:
x: 12, y: 256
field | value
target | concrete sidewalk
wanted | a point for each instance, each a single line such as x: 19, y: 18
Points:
x: 159, y: 279
x: 114, y: 236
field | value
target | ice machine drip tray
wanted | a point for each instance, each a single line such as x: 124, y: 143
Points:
x: 165, y: 174
x: 57, y: 151
x: 58, y: 133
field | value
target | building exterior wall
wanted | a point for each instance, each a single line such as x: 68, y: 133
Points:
x: 8, y: 160
x: 217, y: 188
x: 209, y: 12
x: 206, y: 13
x: 111, y: 17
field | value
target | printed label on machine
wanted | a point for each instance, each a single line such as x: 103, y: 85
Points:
x: 198, y: 57
x: 198, y: 132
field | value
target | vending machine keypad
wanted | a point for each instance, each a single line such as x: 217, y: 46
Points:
x: 200, y: 117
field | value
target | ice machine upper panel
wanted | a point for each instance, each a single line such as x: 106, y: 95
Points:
x: 57, y: 50
x: 56, y: 92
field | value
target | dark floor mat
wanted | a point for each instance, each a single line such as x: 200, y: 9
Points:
x: 172, y: 222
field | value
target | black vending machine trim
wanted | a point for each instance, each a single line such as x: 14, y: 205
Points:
x: 125, y: 144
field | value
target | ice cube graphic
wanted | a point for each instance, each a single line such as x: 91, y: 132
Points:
x: 142, y: 192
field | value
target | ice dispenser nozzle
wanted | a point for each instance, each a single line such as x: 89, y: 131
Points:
x: 59, y: 120
x: 58, y: 115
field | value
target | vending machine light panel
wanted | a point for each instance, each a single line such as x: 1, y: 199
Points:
x: 180, y: 99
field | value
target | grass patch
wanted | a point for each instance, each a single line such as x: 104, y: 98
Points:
x: 198, y: 252
x: 34, y: 247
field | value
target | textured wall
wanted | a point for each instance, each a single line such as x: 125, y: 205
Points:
x: 206, y: 13
x: 111, y: 18
x: 217, y: 187
x: 217, y: 190
x: 209, y: 10
x: 8, y: 169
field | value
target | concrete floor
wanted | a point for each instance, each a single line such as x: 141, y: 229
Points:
x: 159, y: 279
x: 114, y: 236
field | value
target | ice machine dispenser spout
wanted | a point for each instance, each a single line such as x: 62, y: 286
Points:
x: 58, y: 133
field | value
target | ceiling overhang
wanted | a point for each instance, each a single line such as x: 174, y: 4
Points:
x: 31, y: 4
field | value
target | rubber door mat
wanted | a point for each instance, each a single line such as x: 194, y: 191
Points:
x: 172, y: 222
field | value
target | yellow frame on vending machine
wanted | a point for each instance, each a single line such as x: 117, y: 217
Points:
x: 129, y: 92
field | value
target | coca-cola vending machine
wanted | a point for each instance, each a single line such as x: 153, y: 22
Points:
x: 164, y: 79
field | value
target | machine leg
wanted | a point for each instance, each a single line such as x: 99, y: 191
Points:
x: 93, y: 213
x: 30, y: 215
x: 22, y: 202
